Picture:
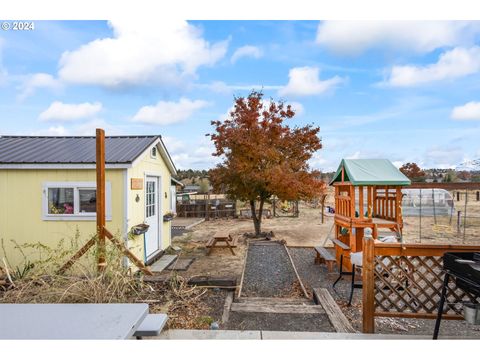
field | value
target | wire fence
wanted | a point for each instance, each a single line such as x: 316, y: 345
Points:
x: 432, y: 215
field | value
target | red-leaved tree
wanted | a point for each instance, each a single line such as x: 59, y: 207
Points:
x: 413, y: 171
x: 262, y: 157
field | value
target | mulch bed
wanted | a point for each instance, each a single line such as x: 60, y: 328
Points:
x: 268, y: 272
x: 279, y: 322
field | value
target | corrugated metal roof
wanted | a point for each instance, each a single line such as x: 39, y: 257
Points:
x: 71, y: 149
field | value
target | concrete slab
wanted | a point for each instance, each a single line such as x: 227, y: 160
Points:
x: 209, y: 335
x: 186, y: 223
x: 280, y: 335
x: 291, y: 335
x: 162, y: 263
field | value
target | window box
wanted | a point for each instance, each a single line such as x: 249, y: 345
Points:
x: 73, y: 201
x: 167, y: 217
x: 139, y: 229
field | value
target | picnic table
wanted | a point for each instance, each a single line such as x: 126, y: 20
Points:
x: 221, y: 240
x: 70, y: 321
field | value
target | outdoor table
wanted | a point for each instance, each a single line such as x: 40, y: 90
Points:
x: 70, y: 321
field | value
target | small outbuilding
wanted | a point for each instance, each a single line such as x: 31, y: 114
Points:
x: 368, y: 194
x: 48, y: 192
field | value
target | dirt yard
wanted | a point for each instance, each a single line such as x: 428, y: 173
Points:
x: 300, y: 235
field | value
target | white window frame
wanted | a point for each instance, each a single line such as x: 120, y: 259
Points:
x: 77, y: 215
x: 151, y: 152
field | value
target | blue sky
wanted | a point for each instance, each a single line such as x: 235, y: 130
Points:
x: 407, y: 91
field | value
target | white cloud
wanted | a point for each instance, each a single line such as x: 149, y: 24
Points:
x: 305, y: 81
x: 38, y: 81
x: 223, y: 88
x: 83, y: 129
x: 246, y: 51
x: 52, y: 131
x: 3, y: 71
x: 354, y: 37
x: 141, y: 52
x: 59, y: 111
x: 443, y: 157
x: 469, y: 111
x: 452, y: 64
x: 196, y: 155
x: 168, y: 112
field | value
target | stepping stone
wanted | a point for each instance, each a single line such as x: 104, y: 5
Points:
x: 162, y: 263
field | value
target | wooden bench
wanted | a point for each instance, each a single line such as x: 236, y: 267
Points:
x: 221, y: 237
x: 341, y: 244
x: 152, y: 325
x: 325, y: 257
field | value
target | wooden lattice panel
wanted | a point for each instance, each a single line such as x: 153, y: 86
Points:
x: 413, y: 284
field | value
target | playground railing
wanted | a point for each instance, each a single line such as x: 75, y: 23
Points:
x: 406, y: 281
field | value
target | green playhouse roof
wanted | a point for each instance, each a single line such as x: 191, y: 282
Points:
x: 370, y: 172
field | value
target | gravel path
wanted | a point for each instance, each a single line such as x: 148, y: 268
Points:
x: 313, y: 275
x: 268, y: 272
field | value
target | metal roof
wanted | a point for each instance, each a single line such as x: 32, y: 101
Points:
x: 71, y: 149
x: 370, y: 172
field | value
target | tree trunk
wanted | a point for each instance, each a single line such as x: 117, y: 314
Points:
x: 257, y: 219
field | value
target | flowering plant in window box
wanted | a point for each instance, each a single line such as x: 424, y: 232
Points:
x: 168, y: 216
x: 139, y: 229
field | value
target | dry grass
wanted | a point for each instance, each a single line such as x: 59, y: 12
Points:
x: 187, y: 307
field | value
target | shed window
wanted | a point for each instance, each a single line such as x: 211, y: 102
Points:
x: 87, y: 200
x: 60, y: 200
x: 73, y: 201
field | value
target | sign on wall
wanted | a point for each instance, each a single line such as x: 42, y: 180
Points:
x: 136, y: 184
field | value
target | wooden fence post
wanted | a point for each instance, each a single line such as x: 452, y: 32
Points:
x: 368, y: 299
x: 100, y: 197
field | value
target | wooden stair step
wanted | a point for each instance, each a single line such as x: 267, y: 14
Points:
x: 277, y: 308
x: 274, y: 301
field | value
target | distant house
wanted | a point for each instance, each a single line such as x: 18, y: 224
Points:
x: 48, y: 191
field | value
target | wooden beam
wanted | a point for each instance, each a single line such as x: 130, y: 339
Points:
x: 138, y: 263
x: 213, y: 281
x: 446, y: 186
x: 226, y: 307
x: 77, y: 255
x: 296, y: 272
x: 369, y: 201
x: 100, y: 198
x: 334, y: 313
x: 277, y: 309
x: 360, y: 201
x: 368, y: 298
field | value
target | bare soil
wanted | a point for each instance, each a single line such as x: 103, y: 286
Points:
x: 306, y: 231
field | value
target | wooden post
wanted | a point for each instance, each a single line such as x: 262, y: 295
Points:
x: 352, y: 201
x: 368, y: 299
x: 360, y: 202
x: 398, y: 207
x: 374, y: 199
x: 369, y: 202
x: 100, y: 197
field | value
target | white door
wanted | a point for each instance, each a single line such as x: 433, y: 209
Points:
x: 152, y: 216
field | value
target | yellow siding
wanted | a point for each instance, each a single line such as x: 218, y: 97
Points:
x: 136, y: 210
x: 21, y: 193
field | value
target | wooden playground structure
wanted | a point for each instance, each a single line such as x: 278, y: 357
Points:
x: 383, y: 199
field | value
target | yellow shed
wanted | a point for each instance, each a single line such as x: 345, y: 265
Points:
x: 48, y: 192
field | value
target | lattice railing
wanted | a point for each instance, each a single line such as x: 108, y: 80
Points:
x: 412, y: 284
x: 406, y: 281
